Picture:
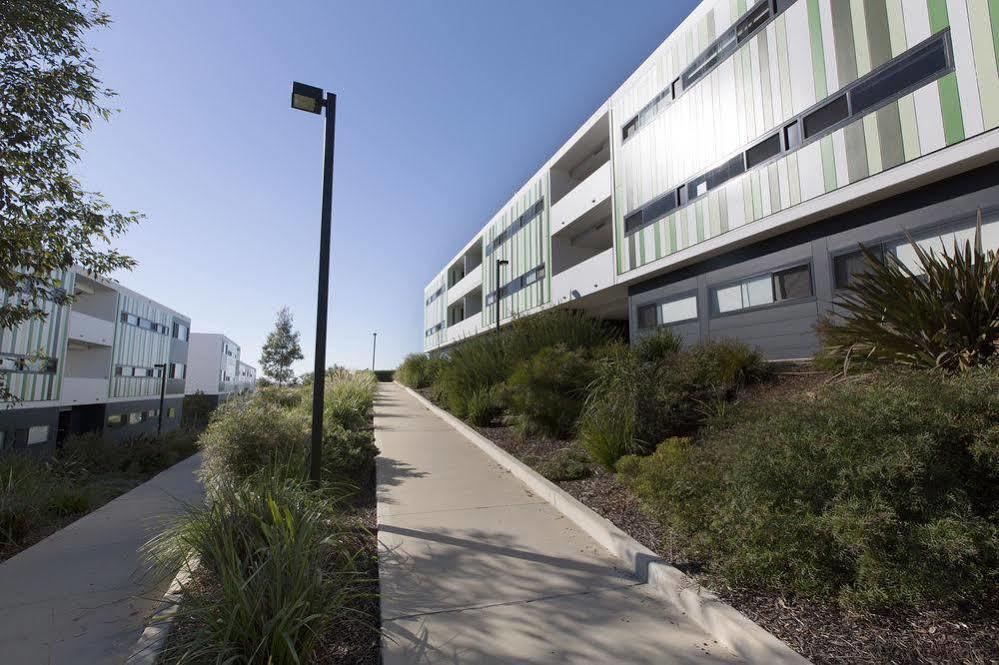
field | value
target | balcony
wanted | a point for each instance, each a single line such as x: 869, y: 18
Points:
x: 586, y: 200
x: 584, y: 278
x: 467, y: 328
x: 84, y: 390
x: 90, y: 329
x: 471, y: 280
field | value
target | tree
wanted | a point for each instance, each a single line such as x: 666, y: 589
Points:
x: 281, y: 349
x: 49, y: 94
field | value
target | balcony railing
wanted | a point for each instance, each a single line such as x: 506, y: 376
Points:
x: 590, y: 193
x: 471, y: 280
x: 586, y: 277
x: 90, y: 329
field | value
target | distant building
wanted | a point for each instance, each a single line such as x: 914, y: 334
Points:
x: 93, y: 364
x: 723, y: 189
x: 215, y: 367
x: 247, y: 379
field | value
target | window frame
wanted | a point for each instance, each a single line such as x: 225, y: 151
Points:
x: 713, y: 289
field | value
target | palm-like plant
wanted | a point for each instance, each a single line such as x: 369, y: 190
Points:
x: 946, y: 317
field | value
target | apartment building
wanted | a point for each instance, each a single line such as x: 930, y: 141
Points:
x: 94, y: 363
x: 215, y: 367
x: 246, y: 378
x: 724, y: 188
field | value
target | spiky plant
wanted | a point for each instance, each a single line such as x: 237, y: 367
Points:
x: 946, y: 317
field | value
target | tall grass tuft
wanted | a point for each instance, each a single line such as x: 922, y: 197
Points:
x: 282, y: 566
x: 947, y: 317
x: 418, y: 370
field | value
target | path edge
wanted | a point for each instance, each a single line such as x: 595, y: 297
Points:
x: 723, y: 622
x: 152, y: 641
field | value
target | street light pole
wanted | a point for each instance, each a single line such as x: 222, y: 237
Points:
x: 163, y: 371
x: 374, y: 344
x: 309, y: 98
x: 499, y: 262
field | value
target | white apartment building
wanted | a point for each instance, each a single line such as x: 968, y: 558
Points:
x: 94, y: 363
x: 246, y: 378
x: 723, y: 189
x: 214, y: 366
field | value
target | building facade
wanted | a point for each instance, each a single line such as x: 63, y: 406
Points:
x: 215, y: 366
x: 246, y: 378
x: 95, y: 362
x: 724, y: 188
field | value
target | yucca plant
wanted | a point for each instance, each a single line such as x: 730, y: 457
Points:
x: 946, y: 317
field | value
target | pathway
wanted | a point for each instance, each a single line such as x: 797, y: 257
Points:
x: 475, y: 569
x: 82, y: 595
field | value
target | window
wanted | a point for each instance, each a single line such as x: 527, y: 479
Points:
x: 847, y: 266
x: 753, y: 21
x: 180, y: 331
x: 115, y: 420
x: 178, y: 371
x: 793, y: 283
x: 38, y: 434
x: 130, y: 319
x: 826, y: 116
x: 783, y: 285
x: 762, y: 151
x: 792, y: 135
x: 679, y: 309
x: 171, y: 412
x: 647, y: 317
x: 135, y: 418
x: 944, y: 243
x: 921, y: 64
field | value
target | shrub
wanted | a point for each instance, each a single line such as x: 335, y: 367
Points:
x: 475, y: 364
x: 483, y: 407
x: 609, y: 419
x: 879, y: 492
x: 24, y: 486
x: 283, y: 396
x: 568, y: 463
x: 726, y: 365
x: 348, y: 400
x: 249, y: 434
x: 658, y: 346
x: 545, y: 392
x: 947, y: 317
x: 283, y: 570
x: 197, y: 409
x: 418, y: 370
x: 348, y: 457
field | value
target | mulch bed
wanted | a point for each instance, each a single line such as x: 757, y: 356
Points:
x: 822, y: 632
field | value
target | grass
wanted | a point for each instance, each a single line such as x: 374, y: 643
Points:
x: 39, y: 496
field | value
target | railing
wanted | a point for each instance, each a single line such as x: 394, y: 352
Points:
x: 584, y: 278
x: 83, y: 390
x: 461, y: 288
x: 90, y: 329
x: 582, y: 198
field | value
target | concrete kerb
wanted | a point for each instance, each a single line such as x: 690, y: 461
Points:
x: 723, y: 622
x: 153, y: 640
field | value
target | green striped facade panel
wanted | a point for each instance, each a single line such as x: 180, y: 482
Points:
x: 435, y: 312
x: 38, y: 337
x: 137, y: 347
x: 805, y: 55
x: 528, y: 248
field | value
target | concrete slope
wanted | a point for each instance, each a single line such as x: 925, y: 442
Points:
x: 476, y: 569
x: 82, y: 595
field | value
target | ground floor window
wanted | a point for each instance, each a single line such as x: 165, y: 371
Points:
x: 788, y: 284
x: 38, y: 434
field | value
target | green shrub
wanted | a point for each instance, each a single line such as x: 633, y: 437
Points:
x: 726, y: 365
x: 283, y: 566
x: 658, y: 346
x: 418, y: 370
x: 947, y: 317
x: 348, y: 457
x: 24, y: 487
x: 248, y: 434
x: 880, y: 492
x: 545, y: 392
x: 483, y: 407
x: 349, y: 399
x: 197, y: 410
x: 609, y: 420
x: 475, y: 364
x: 283, y: 396
x: 568, y: 463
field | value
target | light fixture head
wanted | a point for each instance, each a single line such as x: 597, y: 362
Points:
x: 306, y: 97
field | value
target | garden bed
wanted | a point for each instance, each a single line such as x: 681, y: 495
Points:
x: 822, y: 632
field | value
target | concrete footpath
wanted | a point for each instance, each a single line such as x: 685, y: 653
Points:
x: 82, y: 595
x: 476, y: 569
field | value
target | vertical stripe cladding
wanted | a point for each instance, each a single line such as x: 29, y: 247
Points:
x: 806, y: 54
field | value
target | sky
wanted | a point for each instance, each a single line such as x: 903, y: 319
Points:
x: 445, y: 108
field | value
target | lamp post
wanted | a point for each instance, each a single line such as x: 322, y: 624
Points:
x: 499, y: 262
x: 374, y: 344
x: 309, y: 98
x: 162, y: 368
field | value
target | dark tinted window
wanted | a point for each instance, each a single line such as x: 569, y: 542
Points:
x: 660, y: 208
x: 793, y: 283
x: 792, y: 136
x: 826, y: 116
x: 647, y: 316
x: 633, y: 221
x: 848, y: 266
x: 925, y: 63
x: 752, y: 21
x: 762, y: 151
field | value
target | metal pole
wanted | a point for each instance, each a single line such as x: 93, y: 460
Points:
x: 163, y: 373
x: 499, y: 262
x: 322, y: 302
x: 374, y: 344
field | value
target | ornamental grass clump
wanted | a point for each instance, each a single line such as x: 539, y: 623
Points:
x: 945, y: 314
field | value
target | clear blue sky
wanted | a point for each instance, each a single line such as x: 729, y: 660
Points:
x: 445, y: 109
